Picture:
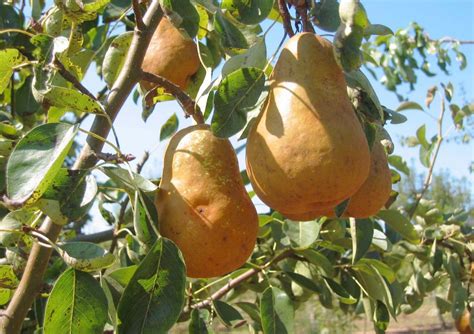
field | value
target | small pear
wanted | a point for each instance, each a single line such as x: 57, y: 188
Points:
x: 171, y: 54
x: 375, y: 191
x: 307, y: 149
x: 203, y: 205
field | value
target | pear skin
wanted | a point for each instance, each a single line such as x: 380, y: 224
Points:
x: 171, y: 55
x: 375, y: 191
x: 203, y: 205
x: 307, y: 149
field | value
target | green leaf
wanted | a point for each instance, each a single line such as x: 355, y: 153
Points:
x: 248, y: 11
x: 394, y: 117
x: 362, y: 231
x: 377, y: 29
x: 357, y: 79
x: 36, y: 160
x: 407, y: 105
x: 236, y: 95
x: 227, y: 313
x: 383, y: 268
x: 76, y: 304
x: 186, y: 11
x: 303, y: 281
x: 321, y: 262
x: 14, y: 221
x: 170, y: 127
x: 399, y: 223
x: 8, y: 279
x: 69, y: 197
x: 231, y: 37
x: 276, y: 312
x: 256, y: 56
x: 400, y: 164
x: 197, y: 325
x: 302, y: 234
x: 115, y: 57
x: 144, y: 218
x: 124, y: 180
x: 421, y: 135
x: 9, y: 58
x: 123, y: 275
x: 252, y: 310
x: 326, y: 15
x: 342, y: 294
x: 86, y: 256
x: 154, y: 298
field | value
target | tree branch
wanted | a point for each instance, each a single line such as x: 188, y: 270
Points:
x: 187, y: 103
x: 72, y: 79
x: 286, y: 17
x: 238, y: 280
x: 32, y: 280
x: 138, y: 15
x: 96, y: 237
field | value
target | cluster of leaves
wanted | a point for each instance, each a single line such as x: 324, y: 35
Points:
x: 380, y: 266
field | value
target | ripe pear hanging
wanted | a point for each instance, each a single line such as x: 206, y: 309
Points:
x: 375, y: 191
x: 203, y: 205
x: 171, y: 55
x: 307, y: 151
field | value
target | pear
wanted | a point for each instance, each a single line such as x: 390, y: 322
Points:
x: 203, y: 205
x: 171, y: 54
x: 375, y: 191
x: 307, y: 150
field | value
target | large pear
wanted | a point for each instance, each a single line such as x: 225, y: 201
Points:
x: 307, y: 151
x: 203, y: 205
x: 171, y: 54
x: 375, y: 191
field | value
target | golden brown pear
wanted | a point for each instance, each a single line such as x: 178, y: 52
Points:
x: 171, y: 55
x: 463, y: 323
x: 307, y: 149
x: 203, y: 205
x: 375, y: 191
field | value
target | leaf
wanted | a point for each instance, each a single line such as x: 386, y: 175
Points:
x: 400, y: 164
x: 86, y: 256
x: 227, y: 313
x: 320, y: 261
x: 231, y: 37
x: 341, y: 208
x: 197, y: 325
x: 36, y: 160
x: 377, y: 29
x: 303, y: 281
x: 256, y: 56
x: 115, y: 57
x: 124, y: 180
x: 407, y: 105
x: 342, y: 294
x: 357, y: 79
x: 14, y: 220
x: 9, y: 58
x: 69, y: 197
x: 8, y: 279
x: 248, y: 11
x: 302, y: 234
x: 399, y: 223
x: 252, y: 310
x: 326, y: 15
x: 186, y: 11
x: 236, y: 95
x: 383, y: 268
x: 421, y: 135
x: 170, y: 127
x: 362, y: 231
x: 154, y: 298
x: 144, y: 218
x: 276, y: 312
x: 76, y: 304
x: 394, y: 117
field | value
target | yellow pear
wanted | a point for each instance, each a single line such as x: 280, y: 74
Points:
x: 307, y: 149
x: 375, y: 191
x: 203, y: 205
x: 171, y: 55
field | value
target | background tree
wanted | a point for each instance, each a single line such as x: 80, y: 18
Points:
x: 60, y: 280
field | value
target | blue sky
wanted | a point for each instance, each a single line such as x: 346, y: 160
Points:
x: 439, y: 18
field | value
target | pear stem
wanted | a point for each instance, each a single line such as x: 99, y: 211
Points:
x: 187, y: 103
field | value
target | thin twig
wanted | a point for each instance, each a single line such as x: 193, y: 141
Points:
x: 238, y: 280
x: 286, y: 17
x: 302, y: 10
x: 115, y: 158
x: 439, y: 141
x: 187, y: 103
x: 138, y: 15
x: 72, y: 79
